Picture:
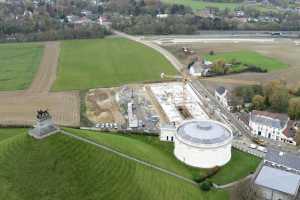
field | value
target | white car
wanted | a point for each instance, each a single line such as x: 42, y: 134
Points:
x: 115, y: 125
x: 97, y: 126
x: 262, y: 149
x: 253, y: 146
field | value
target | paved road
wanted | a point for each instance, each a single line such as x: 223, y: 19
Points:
x: 230, y: 118
x: 128, y: 157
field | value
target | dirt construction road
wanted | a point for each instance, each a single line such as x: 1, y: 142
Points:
x: 19, y: 108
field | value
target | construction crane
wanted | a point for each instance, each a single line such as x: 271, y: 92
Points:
x: 185, y: 79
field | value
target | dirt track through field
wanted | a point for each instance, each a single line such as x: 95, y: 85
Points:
x: 18, y: 108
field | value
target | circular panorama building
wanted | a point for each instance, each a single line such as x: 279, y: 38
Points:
x: 203, y: 143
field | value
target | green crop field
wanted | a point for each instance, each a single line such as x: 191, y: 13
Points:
x: 160, y: 153
x: 250, y: 58
x: 18, y: 64
x: 199, y: 4
x: 60, y: 167
x: 108, y: 62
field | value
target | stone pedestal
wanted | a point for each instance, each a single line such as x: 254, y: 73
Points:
x: 43, y: 128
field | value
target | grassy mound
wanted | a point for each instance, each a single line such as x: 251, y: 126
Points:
x: 248, y: 58
x: 18, y: 64
x: 160, y: 153
x: 108, y: 62
x: 7, y: 133
x: 60, y: 167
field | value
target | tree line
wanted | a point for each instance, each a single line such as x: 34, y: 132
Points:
x: 21, y: 21
x: 274, y: 96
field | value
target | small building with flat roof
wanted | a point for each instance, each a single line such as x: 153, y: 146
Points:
x: 276, y: 184
x: 279, y: 176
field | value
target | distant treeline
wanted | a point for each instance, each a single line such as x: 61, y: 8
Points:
x: 80, y: 32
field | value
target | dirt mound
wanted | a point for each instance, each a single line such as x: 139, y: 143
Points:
x: 101, y: 106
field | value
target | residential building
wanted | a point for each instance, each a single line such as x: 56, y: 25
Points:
x: 199, y: 69
x: 239, y: 13
x: 225, y: 98
x: 162, y: 16
x: 279, y: 176
x: 270, y: 125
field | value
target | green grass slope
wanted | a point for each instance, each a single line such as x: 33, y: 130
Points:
x: 6, y: 133
x: 107, y: 62
x: 160, y: 153
x: 60, y: 168
x: 250, y: 58
x: 199, y: 4
x: 240, y: 165
x: 18, y: 65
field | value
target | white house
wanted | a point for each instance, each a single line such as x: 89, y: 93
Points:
x: 271, y: 125
x: 162, y: 16
x: 223, y: 96
x: 199, y: 69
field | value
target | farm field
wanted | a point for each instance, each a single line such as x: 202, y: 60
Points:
x: 60, y: 167
x: 152, y: 150
x: 199, y: 4
x: 284, y: 50
x: 250, y: 58
x: 107, y: 62
x: 19, y: 107
x: 19, y: 63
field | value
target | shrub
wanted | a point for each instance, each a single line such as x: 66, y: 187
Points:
x: 205, y: 186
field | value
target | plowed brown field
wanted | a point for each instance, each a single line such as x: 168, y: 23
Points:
x: 18, y: 108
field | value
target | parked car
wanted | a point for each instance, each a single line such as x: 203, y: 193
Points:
x: 259, y: 141
x: 253, y: 146
x: 262, y: 149
x: 115, y: 125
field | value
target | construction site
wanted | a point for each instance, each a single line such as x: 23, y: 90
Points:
x: 146, y: 107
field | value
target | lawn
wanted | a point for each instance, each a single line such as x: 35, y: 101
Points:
x: 240, y: 165
x: 6, y: 133
x: 18, y: 65
x: 199, y: 4
x: 250, y: 58
x: 60, y: 167
x: 85, y: 64
x: 152, y: 150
